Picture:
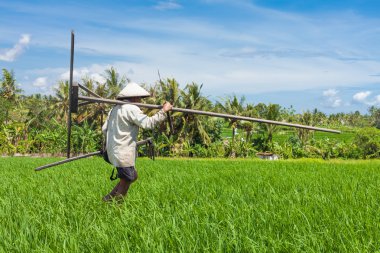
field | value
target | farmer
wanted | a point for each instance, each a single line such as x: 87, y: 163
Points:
x: 121, y: 129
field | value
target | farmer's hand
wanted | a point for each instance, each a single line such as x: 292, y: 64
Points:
x: 167, y: 107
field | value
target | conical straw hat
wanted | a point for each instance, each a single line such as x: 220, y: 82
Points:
x: 133, y: 90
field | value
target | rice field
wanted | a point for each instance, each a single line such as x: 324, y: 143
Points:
x: 192, y: 205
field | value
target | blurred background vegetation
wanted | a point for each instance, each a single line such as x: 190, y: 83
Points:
x: 36, y: 124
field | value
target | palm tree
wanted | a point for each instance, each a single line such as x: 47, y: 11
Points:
x: 270, y: 112
x: 319, y: 118
x: 375, y: 116
x: 273, y: 113
x: 39, y: 110
x: 169, y: 91
x: 101, y: 108
x: 304, y: 135
x: 114, y: 83
x: 166, y: 90
x: 92, y: 112
x: 249, y: 111
x: 193, y: 125
x: 9, y: 93
x: 61, y: 106
x: 9, y: 89
x: 232, y: 105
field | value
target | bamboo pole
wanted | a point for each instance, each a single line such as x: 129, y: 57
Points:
x: 67, y: 160
x: 139, y: 143
x: 88, y: 90
x: 212, y: 114
x: 85, y: 103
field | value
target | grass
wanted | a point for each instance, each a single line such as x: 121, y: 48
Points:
x: 192, y: 205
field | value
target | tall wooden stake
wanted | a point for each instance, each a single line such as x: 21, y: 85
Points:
x: 70, y: 91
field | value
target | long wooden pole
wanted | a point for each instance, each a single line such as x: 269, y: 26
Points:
x: 213, y: 114
x: 67, y: 160
x: 88, y: 90
x: 138, y: 143
x: 70, y: 91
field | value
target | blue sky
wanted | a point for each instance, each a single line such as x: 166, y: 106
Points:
x: 308, y: 54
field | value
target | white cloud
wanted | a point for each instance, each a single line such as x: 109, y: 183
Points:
x: 331, y: 98
x: 11, y: 54
x: 97, y: 77
x: 361, y: 96
x: 92, y: 72
x: 40, y: 82
x: 330, y: 93
x: 167, y: 5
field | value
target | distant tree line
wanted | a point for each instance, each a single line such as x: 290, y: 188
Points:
x: 37, y: 124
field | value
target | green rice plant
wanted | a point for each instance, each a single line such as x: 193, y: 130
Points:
x: 192, y: 205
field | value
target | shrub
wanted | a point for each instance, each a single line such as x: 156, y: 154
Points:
x: 368, y: 142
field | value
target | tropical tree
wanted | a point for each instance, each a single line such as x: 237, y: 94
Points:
x: 318, y: 117
x: 232, y: 105
x: 249, y: 111
x: 9, y: 93
x: 375, y: 116
x: 93, y: 112
x: 194, y: 125
x: 61, y: 105
x: 269, y: 112
x: 305, y: 118
x: 337, y: 119
x: 368, y: 142
x: 40, y: 109
x: 167, y: 90
x: 9, y: 88
x: 114, y: 83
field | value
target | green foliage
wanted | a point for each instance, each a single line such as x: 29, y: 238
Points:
x: 260, y: 141
x: 375, y: 116
x: 37, y: 124
x: 85, y: 138
x: 368, y: 142
x: 6, y: 106
x: 214, y: 129
x: 9, y: 95
x: 9, y: 89
x: 231, y: 105
x: 114, y: 82
x: 304, y: 135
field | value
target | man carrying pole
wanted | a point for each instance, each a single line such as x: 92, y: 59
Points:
x: 121, y: 129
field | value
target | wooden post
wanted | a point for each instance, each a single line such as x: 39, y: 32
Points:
x: 70, y: 94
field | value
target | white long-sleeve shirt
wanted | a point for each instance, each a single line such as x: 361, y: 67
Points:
x: 122, y: 127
